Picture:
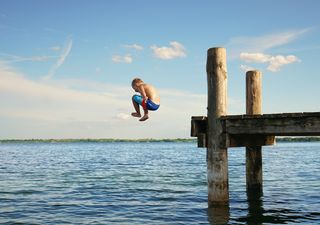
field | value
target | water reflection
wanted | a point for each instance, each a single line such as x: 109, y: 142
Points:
x: 255, y: 206
x: 219, y: 215
x: 256, y: 213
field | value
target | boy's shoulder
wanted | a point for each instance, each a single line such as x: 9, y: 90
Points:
x: 145, y: 85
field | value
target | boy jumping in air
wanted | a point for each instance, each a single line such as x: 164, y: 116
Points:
x: 149, y: 98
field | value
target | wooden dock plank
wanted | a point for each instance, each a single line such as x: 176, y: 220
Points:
x: 286, y: 124
x: 254, y: 130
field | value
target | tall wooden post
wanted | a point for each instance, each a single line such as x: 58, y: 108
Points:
x: 217, y: 157
x: 253, y: 153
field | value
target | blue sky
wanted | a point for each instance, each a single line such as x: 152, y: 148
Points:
x: 66, y: 66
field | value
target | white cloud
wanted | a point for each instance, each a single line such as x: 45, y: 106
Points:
x: 176, y: 50
x: 262, y: 43
x: 17, y: 86
x: 246, y: 68
x: 134, y: 46
x: 60, y: 108
x: 122, y: 59
x: 255, y: 57
x: 275, y: 62
x: 123, y: 116
x: 87, y: 109
x: 64, y: 54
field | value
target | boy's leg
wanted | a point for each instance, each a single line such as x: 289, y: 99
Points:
x: 145, y: 116
x: 136, y: 107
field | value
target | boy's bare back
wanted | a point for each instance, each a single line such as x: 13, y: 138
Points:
x: 151, y: 93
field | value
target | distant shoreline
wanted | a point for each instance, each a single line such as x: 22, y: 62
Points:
x: 102, y: 140
x: 147, y: 140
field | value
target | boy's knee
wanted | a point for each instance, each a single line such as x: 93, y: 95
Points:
x: 137, y: 99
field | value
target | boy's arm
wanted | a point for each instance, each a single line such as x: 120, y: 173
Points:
x: 143, y: 92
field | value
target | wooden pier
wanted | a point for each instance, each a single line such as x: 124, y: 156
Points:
x: 218, y: 131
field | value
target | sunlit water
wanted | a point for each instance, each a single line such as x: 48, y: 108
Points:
x: 151, y: 183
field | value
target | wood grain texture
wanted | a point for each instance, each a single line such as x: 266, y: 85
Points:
x: 217, y: 157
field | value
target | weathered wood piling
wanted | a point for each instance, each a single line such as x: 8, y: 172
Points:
x: 253, y: 153
x: 218, y: 131
x: 217, y: 155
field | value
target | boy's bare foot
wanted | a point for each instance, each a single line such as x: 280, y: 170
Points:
x: 145, y: 117
x: 135, y: 114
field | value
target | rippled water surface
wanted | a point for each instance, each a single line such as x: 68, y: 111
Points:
x: 151, y: 183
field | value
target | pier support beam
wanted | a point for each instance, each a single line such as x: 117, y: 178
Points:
x: 253, y: 153
x: 217, y: 157
x: 218, y: 131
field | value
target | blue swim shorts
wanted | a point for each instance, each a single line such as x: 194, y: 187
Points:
x: 150, y: 105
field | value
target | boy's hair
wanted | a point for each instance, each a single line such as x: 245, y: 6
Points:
x: 135, y: 81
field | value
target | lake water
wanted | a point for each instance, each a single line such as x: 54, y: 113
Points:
x: 151, y: 183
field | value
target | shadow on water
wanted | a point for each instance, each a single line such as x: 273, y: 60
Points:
x: 255, y: 207
x: 256, y: 214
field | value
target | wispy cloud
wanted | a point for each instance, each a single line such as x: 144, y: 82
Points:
x: 8, y: 58
x: 123, y: 116
x: 263, y: 43
x: 275, y: 62
x: 64, y: 54
x: 134, y: 46
x: 56, y: 100
x: 81, y: 108
x: 253, y: 49
x: 55, y: 48
x: 176, y: 50
x: 122, y: 59
x: 246, y: 68
x: 255, y: 57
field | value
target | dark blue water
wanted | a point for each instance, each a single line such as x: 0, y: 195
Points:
x: 151, y: 183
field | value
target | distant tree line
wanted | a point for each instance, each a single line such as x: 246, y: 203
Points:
x: 297, y: 139
x: 146, y: 140
x: 106, y: 140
